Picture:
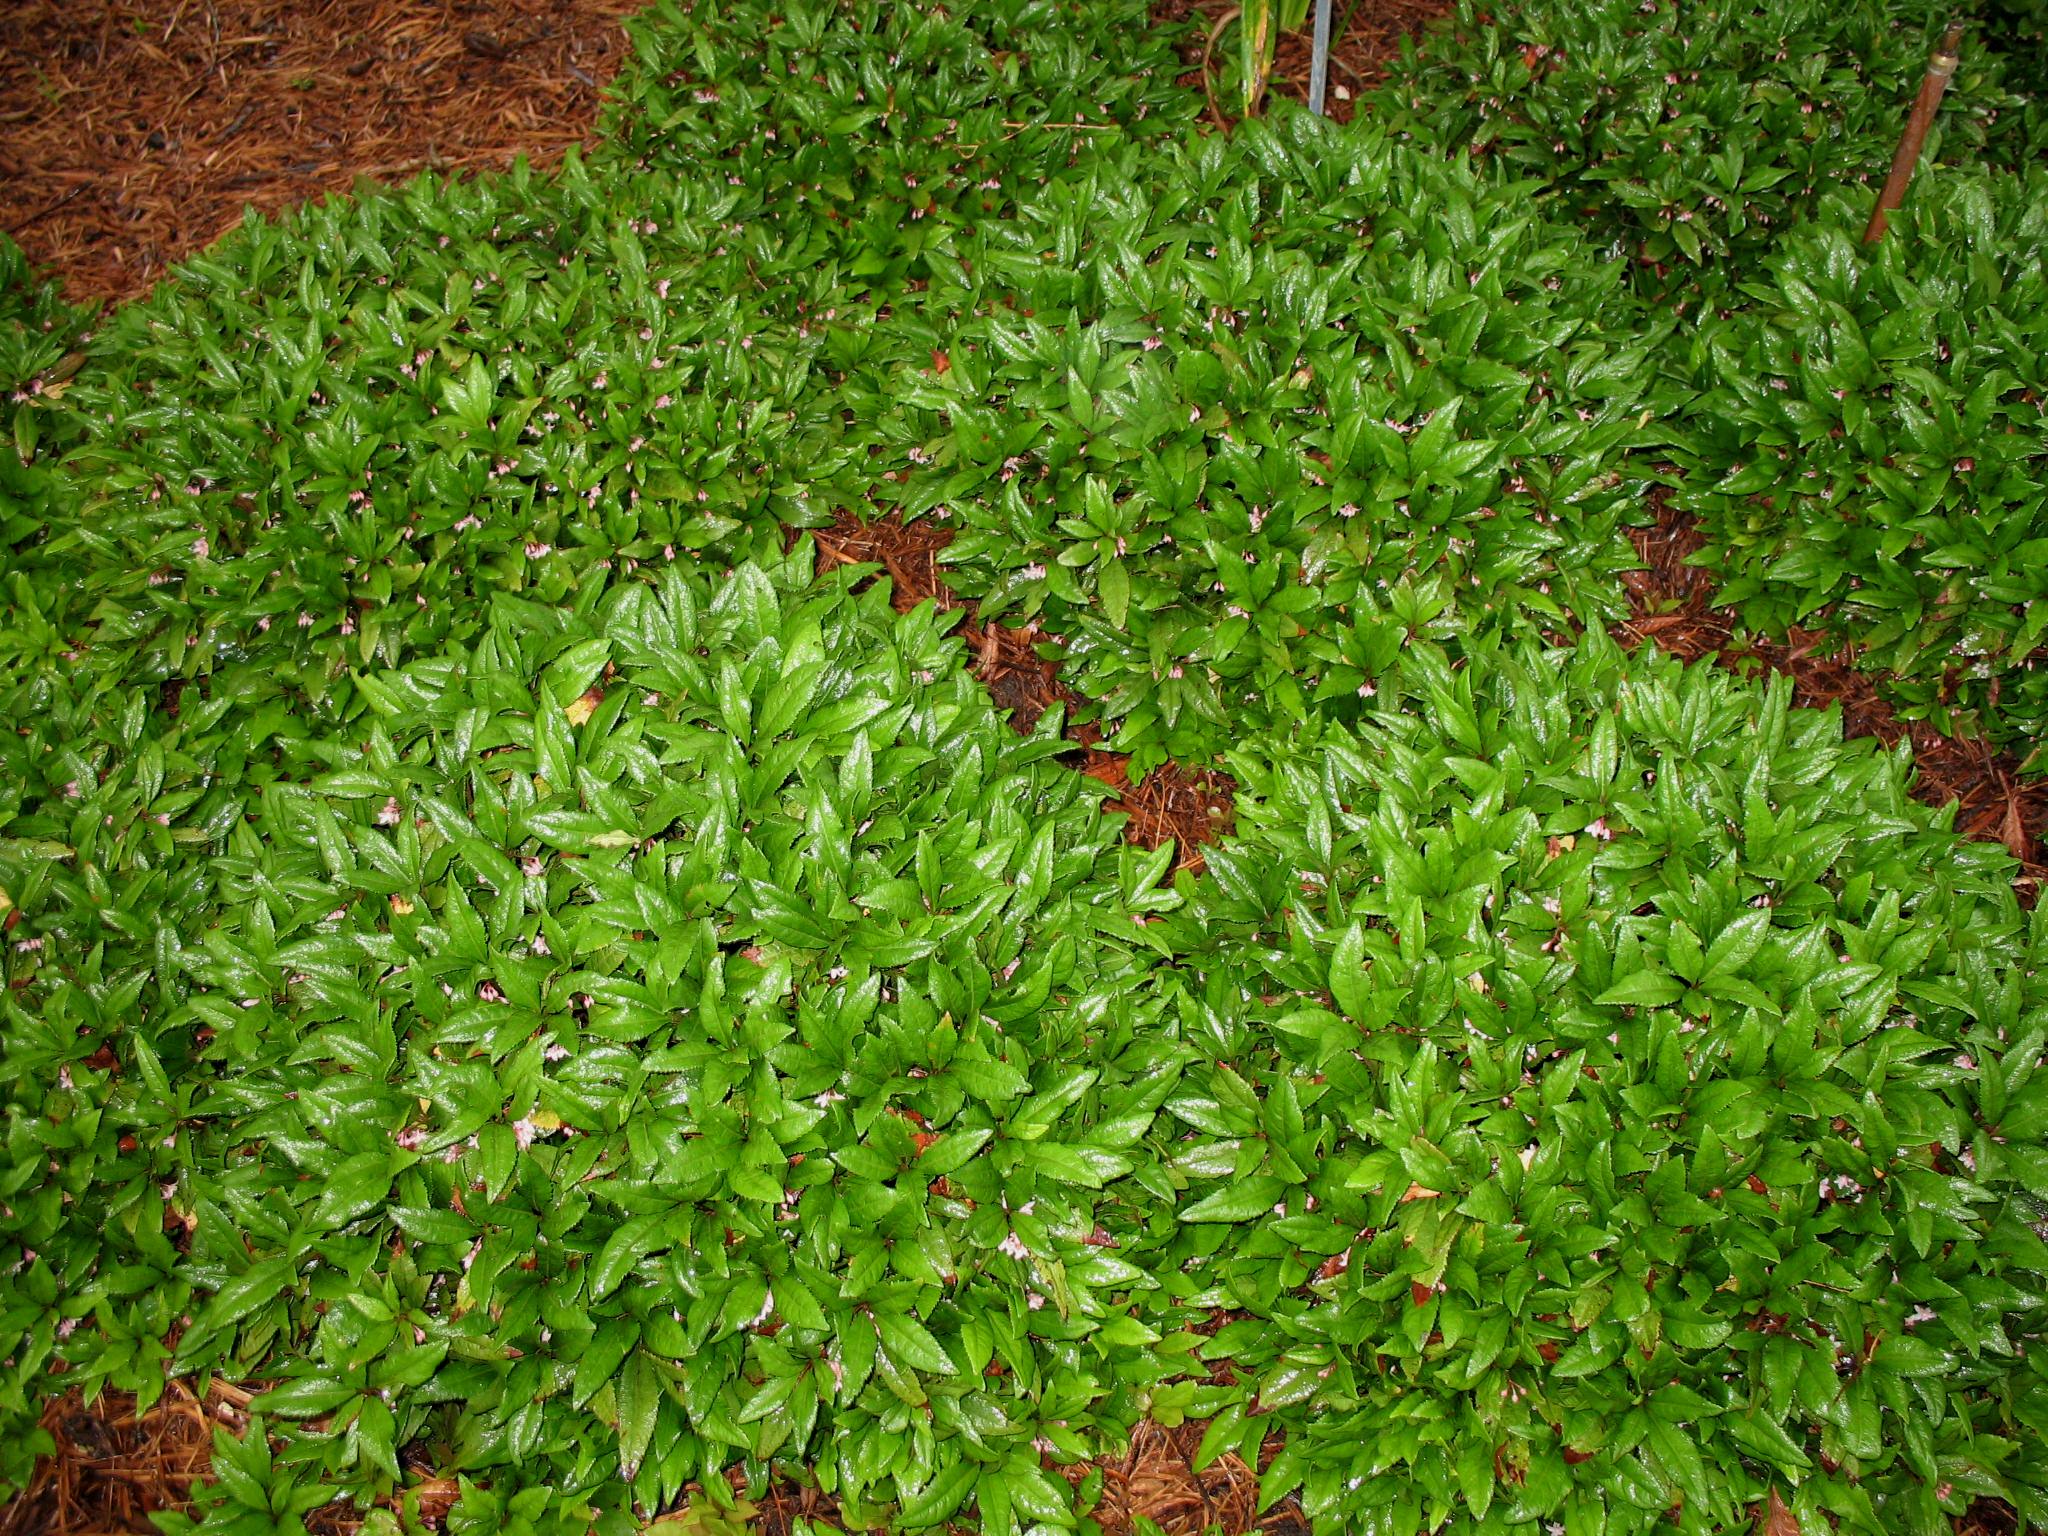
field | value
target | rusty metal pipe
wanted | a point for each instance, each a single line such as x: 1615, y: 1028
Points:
x: 1941, y: 68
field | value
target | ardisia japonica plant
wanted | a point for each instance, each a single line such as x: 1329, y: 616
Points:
x: 1245, y: 422
x: 1869, y: 450
x: 1619, y: 1102
x: 509, y: 962
x: 38, y: 332
x: 1689, y: 134
x: 694, y: 1032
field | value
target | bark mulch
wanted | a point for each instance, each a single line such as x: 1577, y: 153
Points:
x: 1673, y: 605
x: 133, y: 132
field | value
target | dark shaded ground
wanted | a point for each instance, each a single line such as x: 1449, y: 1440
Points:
x: 133, y: 132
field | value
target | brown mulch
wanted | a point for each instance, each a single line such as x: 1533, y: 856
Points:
x: 1190, y: 806
x: 1156, y: 1480
x: 133, y: 132
x: 113, y: 1467
x: 1359, y: 49
x: 1674, y: 605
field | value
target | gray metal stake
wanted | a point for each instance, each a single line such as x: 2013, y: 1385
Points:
x: 1319, y: 63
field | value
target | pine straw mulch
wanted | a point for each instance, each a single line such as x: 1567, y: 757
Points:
x: 1365, y: 34
x: 1190, y: 806
x: 1673, y: 604
x: 112, y: 1467
x: 133, y: 132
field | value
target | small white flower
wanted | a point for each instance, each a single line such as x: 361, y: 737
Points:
x: 1013, y: 1246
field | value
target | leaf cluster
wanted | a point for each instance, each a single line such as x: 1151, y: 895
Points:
x: 1690, y: 136
x: 1868, y: 448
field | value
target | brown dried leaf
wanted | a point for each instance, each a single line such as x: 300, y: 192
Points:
x: 2013, y: 829
x: 1778, y: 1520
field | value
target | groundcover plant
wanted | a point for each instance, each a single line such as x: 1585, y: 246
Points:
x: 1858, y: 433
x: 1870, y: 451
x: 506, y: 960
x: 1689, y: 134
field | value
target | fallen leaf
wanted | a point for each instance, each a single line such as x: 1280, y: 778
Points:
x: 1778, y: 1520
x: 2013, y: 830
